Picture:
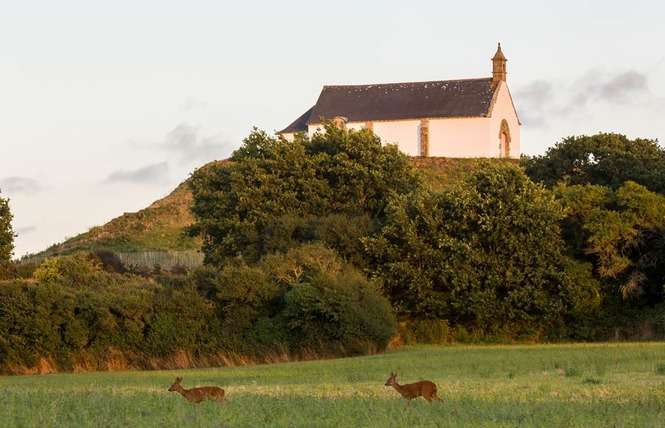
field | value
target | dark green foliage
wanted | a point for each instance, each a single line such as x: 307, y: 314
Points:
x: 6, y: 232
x: 305, y: 299
x: 602, y: 159
x: 622, y: 234
x: 72, y: 308
x: 276, y: 194
x: 432, y: 331
x: 486, y: 255
x: 77, y: 270
x: 60, y: 323
x: 110, y: 261
x: 342, y: 309
x: 617, y: 319
x: 17, y: 270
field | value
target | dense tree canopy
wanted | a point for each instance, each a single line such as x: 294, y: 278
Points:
x: 486, y: 255
x: 602, y: 159
x: 275, y: 194
x: 622, y: 232
x: 6, y: 232
x: 305, y: 298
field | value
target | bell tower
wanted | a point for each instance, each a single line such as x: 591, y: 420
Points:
x: 499, y: 66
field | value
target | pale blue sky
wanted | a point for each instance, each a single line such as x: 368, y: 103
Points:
x: 106, y: 106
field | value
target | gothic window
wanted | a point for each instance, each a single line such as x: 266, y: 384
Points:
x: 504, y: 138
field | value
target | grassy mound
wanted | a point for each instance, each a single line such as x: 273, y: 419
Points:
x: 159, y: 227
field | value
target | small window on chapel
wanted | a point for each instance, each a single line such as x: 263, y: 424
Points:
x: 504, y: 138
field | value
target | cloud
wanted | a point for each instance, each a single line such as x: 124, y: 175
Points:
x: 20, y: 185
x: 621, y: 87
x: 540, y: 100
x: 532, y: 120
x: 617, y: 89
x: 25, y: 230
x: 157, y: 173
x: 186, y: 141
x: 533, y: 100
x: 538, y: 92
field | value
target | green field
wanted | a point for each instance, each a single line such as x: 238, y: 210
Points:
x: 554, y: 385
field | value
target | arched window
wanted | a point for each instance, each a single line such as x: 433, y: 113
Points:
x: 504, y: 138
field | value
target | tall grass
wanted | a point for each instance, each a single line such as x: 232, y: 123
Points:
x: 488, y: 386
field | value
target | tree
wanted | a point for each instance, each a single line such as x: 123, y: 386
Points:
x: 622, y: 232
x: 6, y: 232
x: 276, y: 194
x: 486, y: 255
x: 602, y: 159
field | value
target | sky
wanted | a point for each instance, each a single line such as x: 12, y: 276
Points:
x: 107, y: 106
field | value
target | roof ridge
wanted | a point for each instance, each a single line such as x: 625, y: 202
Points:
x: 406, y: 83
x: 469, y: 97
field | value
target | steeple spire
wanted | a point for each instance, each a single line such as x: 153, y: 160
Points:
x: 499, y: 66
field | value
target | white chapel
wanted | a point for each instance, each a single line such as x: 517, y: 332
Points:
x: 449, y: 118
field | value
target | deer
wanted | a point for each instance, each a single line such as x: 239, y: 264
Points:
x: 424, y: 388
x: 197, y: 395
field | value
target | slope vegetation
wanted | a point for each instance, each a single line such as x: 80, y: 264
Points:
x: 159, y: 228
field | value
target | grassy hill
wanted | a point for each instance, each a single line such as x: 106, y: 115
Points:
x: 599, y: 385
x: 154, y: 235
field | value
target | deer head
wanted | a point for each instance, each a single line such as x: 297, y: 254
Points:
x: 176, y: 384
x: 392, y: 380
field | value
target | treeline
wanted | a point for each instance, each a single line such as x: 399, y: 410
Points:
x: 76, y: 312
x: 568, y: 245
x: 332, y: 244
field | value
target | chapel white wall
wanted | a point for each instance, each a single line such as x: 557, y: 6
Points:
x: 503, y: 109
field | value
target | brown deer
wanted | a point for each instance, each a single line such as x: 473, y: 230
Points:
x: 424, y: 388
x: 196, y: 395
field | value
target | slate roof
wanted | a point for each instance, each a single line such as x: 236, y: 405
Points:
x: 395, y: 101
x: 299, y: 124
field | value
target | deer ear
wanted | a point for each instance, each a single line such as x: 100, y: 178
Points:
x: 178, y: 380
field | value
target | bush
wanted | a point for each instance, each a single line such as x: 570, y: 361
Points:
x: 110, y: 261
x: 487, y: 255
x: 305, y: 299
x: 7, y: 271
x: 602, y: 159
x: 341, y: 310
x: 77, y: 270
x: 6, y: 232
x: 62, y: 323
x: 431, y: 331
x: 276, y: 195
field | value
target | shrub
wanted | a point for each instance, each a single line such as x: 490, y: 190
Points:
x: 77, y: 270
x: 59, y: 322
x: 7, y: 271
x: 431, y: 331
x: 6, y: 232
x: 110, y: 261
x: 306, y: 298
x: 344, y: 309
x: 487, y: 255
x: 275, y: 194
x: 601, y: 159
